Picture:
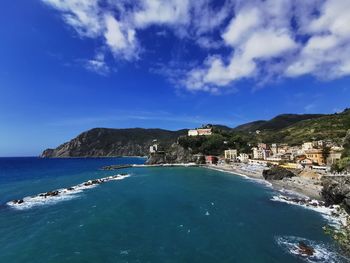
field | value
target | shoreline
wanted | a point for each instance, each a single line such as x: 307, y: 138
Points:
x: 298, y: 185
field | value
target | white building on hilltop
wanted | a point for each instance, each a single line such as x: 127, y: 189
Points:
x: 200, y: 132
x: 153, y: 148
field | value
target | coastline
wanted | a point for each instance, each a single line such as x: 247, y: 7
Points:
x: 310, y: 188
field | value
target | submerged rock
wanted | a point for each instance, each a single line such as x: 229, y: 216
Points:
x: 277, y: 173
x: 19, y: 201
x: 305, y: 250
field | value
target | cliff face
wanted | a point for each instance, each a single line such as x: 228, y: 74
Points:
x: 336, y: 190
x: 174, y: 154
x: 101, y: 142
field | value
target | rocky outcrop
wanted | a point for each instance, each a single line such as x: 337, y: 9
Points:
x: 101, y: 142
x: 336, y: 190
x: 305, y: 250
x: 156, y: 158
x: 277, y: 173
x: 175, y: 154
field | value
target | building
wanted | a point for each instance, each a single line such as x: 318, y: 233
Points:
x: 192, y: 133
x: 274, y: 148
x: 307, y: 146
x: 306, y: 162
x: 261, y: 162
x: 274, y: 158
x: 243, y: 157
x: 204, y: 132
x: 153, y: 148
x: 320, y: 144
x: 291, y: 165
x: 287, y: 156
x: 262, y: 146
x: 333, y: 157
x: 257, y: 153
x: 316, y: 155
x: 199, y: 158
x: 210, y: 159
x: 261, y: 152
x: 266, y: 153
x: 200, y: 132
x: 231, y: 154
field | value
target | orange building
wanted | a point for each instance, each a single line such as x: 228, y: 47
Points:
x: 316, y: 155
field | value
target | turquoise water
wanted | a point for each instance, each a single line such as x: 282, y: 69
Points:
x: 155, y: 215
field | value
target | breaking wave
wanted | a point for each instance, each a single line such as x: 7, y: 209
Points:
x: 332, y: 214
x: 59, y: 195
x: 320, y: 252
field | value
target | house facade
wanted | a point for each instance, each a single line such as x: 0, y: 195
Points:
x: 231, y: 154
x: 200, y: 132
x: 316, y: 155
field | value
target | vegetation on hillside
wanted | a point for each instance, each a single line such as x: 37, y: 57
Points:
x: 287, y: 128
x: 295, y: 130
x: 344, y: 163
x: 333, y: 127
x: 277, y: 123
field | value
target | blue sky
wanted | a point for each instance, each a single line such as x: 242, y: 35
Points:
x: 71, y: 65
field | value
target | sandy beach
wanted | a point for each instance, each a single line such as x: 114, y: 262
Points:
x: 298, y: 184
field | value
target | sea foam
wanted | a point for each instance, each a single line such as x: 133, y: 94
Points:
x: 322, y: 253
x: 333, y: 214
x: 59, y: 195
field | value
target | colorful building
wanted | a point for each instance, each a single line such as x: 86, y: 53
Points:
x: 210, y: 159
x: 316, y: 155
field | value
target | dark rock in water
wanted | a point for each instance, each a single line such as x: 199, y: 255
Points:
x: 95, y: 182
x: 116, y: 167
x: 70, y: 188
x: 52, y: 193
x: 305, y: 250
x: 277, y: 173
x: 336, y: 190
x: 19, y: 201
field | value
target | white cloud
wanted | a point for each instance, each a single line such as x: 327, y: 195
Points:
x: 254, y: 36
x: 241, y: 25
x: 326, y: 53
x: 162, y: 12
x: 120, y: 38
x: 98, y: 64
x: 244, y: 39
x: 82, y: 15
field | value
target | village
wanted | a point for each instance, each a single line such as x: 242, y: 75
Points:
x: 313, y: 157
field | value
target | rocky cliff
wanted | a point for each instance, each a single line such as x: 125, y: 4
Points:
x: 102, y: 142
x: 174, y: 154
x: 336, y: 190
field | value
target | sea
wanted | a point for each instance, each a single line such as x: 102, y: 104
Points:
x: 158, y: 214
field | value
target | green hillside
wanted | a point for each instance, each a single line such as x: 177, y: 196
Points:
x: 277, y: 123
x: 333, y: 127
